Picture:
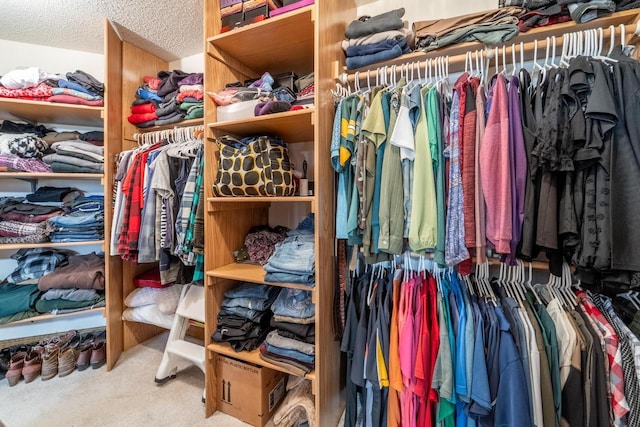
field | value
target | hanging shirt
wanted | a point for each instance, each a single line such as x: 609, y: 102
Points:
x: 391, y: 200
x: 511, y: 408
x: 479, y: 203
x: 341, y: 203
x: 456, y: 250
x: 436, y: 145
x: 422, y: 230
x: 495, y: 167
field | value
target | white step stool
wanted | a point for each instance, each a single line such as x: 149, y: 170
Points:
x: 191, y: 306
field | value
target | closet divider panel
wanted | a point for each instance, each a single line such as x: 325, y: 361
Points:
x: 113, y: 145
x: 331, y: 18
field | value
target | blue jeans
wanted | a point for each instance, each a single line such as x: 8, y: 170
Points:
x: 294, y: 303
x: 258, y: 304
x: 77, y: 219
x: 243, y: 312
x: 295, y: 254
x: 292, y: 354
x: 303, y: 279
x: 354, y: 62
x: 69, y: 237
x: 250, y: 290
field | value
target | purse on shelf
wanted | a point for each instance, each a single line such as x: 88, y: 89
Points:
x: 253, y: 166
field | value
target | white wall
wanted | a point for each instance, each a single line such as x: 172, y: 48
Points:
x: 50, y: 59
x: 190, y: 64
x: 420, y: 10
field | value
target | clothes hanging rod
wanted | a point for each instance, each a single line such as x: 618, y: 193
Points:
x: 456, y: 61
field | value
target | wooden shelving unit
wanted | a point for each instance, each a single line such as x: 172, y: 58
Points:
x: 51, y: 175
x: 303, y: 41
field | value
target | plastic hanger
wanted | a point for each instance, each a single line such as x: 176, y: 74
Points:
x: 612, y: 42
x: 513, y: 59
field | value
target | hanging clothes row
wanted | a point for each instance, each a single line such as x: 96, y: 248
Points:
x: 428, y: 347
x: 159, y: 202
x: 528, y: 161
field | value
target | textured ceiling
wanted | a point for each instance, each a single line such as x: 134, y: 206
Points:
x: 170, y: 29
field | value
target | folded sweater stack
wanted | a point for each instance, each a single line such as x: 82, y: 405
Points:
x: 375, y: 39
x: 34, y: 84
x: 169, y: 98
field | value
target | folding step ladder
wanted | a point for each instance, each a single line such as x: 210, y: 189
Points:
x: 191, y: 306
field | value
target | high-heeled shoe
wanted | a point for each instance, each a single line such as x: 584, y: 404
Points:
x: 14, y: 373
x: 32, y: 366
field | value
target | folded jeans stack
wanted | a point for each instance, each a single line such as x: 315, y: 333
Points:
x: 293, y: 306
x: 375, y: 39
x: 77, y: 226
x: 293, y: 260
x: 243, y: 320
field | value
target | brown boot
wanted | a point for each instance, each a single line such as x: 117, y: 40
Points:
x: 14, y: 373
x: 32, y: 366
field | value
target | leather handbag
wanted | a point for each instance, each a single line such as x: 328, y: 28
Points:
x: 253, y: 166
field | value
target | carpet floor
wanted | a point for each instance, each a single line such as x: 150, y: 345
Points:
x: 126, y: 396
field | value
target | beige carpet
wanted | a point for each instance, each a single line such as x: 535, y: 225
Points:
x: 126, y: 396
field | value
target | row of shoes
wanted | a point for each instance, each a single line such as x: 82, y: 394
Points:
x: 59, y: 355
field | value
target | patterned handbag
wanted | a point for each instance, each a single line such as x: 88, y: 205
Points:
x: 253, y: 166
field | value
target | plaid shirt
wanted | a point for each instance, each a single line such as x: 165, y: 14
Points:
x: 15, y: 163
x: 630, y: 348
x: 185, y: 222
x: 33, y: 264
x: 132, y: 213
x: 619, y: 403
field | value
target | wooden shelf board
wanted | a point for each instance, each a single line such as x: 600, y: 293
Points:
x: 50, y: 175
x: 48, y: 316
x: 12, y: 246
x: 261, y: 46
x: 184, y: 123
x: 259, y: 199
x: 250, y: 273
x: 290, y: 126
x: 51, y: 112
x: 252, y: 357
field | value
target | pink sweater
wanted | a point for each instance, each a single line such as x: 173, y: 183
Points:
x: 495, y: 171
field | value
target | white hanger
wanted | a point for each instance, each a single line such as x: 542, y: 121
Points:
x: 612, y: 32
x: 513, y: 59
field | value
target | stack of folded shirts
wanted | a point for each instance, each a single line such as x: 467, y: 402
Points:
x: 243, y: 320
x: 78, y: 226
x: 491, y: 27
x: 76, y: 156
x: 37, y: 262
x: 540, y: 13
x: 23, y: 222
x: 375, y: 39
x: 75, y: 285
x: 293, y: 306
x: 55, y: 195
x: 293, y: 260
x: 34, y: 84
x: 169, y: 98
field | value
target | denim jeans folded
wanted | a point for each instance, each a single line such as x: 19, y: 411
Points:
x: 354, y: 62
x: 298, y: 329
x: 299, y: 320
x: 295, y: 303
x: 258, y: 304
x: 292, y: 354
x: 250, y: 290
x: 370, y: 49
x: 302, y: 279
x: 77, y: 218
x: 247, y: 313
x: 65, y: 239
x: 295, y: 254
x: 83, y: 229
x: 275, y: 339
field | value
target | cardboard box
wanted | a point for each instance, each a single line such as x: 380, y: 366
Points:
x: 232, y: 16
x: 248, y: 392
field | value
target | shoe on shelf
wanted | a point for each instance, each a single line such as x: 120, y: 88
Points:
x: 50, y: 362
x: 32, y: 366
x: 14, y: 373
